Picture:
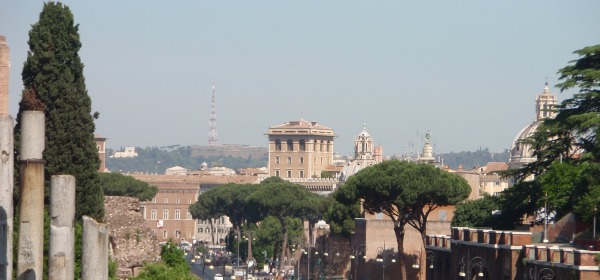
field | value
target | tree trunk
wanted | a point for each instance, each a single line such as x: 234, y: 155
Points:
x: 212, y: 232
x: 399, y: 231
x: 284, y: 231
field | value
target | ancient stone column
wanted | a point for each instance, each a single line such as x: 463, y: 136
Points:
x: 6, y: 168
x: 6, y: 196
x: 31, y: 199
x: 61, y: 262
x: 94, y: 259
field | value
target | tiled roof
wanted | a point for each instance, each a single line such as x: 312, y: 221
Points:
x: 496, y: 166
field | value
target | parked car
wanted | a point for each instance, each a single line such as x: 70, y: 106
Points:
x: 218, y: 277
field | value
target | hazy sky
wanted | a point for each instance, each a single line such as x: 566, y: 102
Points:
x: 467, y: 70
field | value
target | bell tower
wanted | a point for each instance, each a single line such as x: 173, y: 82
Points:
x: 363, y: 145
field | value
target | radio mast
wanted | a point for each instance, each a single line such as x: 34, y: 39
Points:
x: 212, y: 121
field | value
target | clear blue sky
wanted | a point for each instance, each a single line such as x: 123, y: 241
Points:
x: 467, y: 70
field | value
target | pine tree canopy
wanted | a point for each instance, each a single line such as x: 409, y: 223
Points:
x: 54, y: 72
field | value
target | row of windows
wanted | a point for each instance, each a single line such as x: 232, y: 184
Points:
x: 166, y: 200
x: 220, y: 220
x: 324, y: 145
x: 214, y: 230
x: 165, y: 214
x: 177, y: 234
x: 301, y: 160
x: 289, y: 160
x: 289, y: 173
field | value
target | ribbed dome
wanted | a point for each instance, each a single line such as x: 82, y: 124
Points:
x: 521, y: 153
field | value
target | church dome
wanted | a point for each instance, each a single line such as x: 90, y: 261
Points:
x: 520, y: 152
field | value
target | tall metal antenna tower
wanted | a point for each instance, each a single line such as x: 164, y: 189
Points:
x: 212, y: 121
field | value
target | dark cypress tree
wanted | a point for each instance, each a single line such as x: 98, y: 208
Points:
x: 54, y: 73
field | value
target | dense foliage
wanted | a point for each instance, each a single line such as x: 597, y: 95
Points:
x: 116, y: 184
x: 477, y: 213
x: 157, y: 160
x: 54, y: 82
x: 173, y: 266
x: 340, y: 216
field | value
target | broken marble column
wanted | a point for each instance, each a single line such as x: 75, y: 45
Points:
x: 31, y: 199
x: 61, y: 253
x: 94, y: 259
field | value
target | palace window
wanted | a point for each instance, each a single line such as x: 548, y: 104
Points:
x: 302, y: 146
x: 177, y: 214
x: 199, y: 230
x: 166, y: 200
x: 153, y: 214
x: 301, y: 173
x: 301, y: 160
x: 277, y: 145
x: 165, y: 214
x: 290, y: 145
x: 289, y: 160
x: 154, y: 200
x: 276, y: 159
x: 276, y: 172
x: 177, y: 200
x: 165, y: 234
x: 289, y: 173
x: 189, y: 215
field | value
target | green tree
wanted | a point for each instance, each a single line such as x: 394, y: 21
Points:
x: 173, y: 266
x: 406, y: 192
x: 282, y: 200
x: 340, y: 216
x: 228, y: 200
x: 117, y: 184
x: 477, y: 213
x: 53, y: 73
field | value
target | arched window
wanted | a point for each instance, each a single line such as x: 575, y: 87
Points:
x: 277, y: 145
x: 302, y: 146
x: 290, y: 145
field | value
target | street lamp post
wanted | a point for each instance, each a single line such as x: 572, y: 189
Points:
x: 595, y: 212
x: 307, y: 253
x: 431, y: 258
x: 417, y: 263
x: 546, y: 218
x: 358, y: 250
x: 383, y: 256
x: 430, y: 255
x: 470, y: 264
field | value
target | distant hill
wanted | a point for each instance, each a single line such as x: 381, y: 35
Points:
x: 472, y: 159
x: 157, y: 160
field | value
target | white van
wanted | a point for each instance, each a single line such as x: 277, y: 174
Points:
x: 218, y: 277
